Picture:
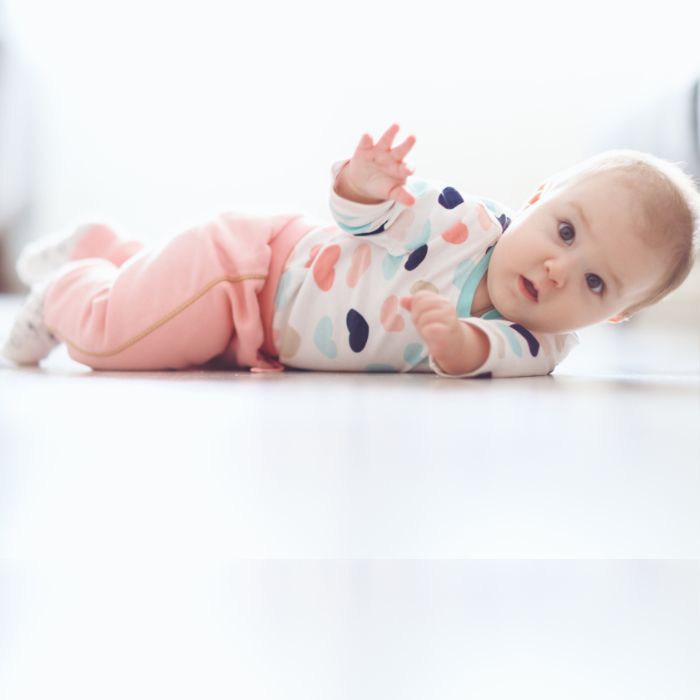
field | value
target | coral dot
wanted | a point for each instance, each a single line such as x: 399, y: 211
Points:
x: 324, y: 267
x: 458, y: 233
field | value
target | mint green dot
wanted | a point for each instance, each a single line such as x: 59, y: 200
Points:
x: 413, y: 353
x: 390, y: 265
x: 416, y: 187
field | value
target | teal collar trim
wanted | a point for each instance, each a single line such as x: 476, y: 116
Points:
x: 466, y: 296
x: 491, y: 314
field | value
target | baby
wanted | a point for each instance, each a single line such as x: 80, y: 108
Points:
x: 413, y: 276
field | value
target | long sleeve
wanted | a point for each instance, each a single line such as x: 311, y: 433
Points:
x: 516, y: 351
x: 361, y: 219
x: 439, y: 210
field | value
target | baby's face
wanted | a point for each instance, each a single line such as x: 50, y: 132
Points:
x: 574, y: 258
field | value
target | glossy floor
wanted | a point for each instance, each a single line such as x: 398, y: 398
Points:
x: 221, y: 534
x: 600, y: 460
x: 350, y: 630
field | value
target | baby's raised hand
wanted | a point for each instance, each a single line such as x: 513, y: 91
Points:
x: 377, y: 172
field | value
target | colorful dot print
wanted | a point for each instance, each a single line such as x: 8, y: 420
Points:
x: 423, y: 285
x: 358, y: 329
x: 353, y: 310
x: 456, y: 234
x: 413, y: 353
x: 361, y: 261
x: 483, y: 216
x: 504, y: 221
x: 416, y: 187
x: 391, y: 320
x: 450, y: 198
x: 324, y: 267
x: 323, y: 338
x: 312, y: 255
x: 532, y: 342
x: 282, y: 290
x: 416, y: 258
x: 391, y: 265
x: 512, y: 338
x: 290, y: 343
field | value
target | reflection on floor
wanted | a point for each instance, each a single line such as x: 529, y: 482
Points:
x: 129, y: 503
x: 350, y: 630
x: 599, y: 460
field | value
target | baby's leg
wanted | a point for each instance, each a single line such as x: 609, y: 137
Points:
x: 30, y: 339
x: 175, y: 306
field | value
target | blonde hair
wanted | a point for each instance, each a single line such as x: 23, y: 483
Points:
x: 670, y: 205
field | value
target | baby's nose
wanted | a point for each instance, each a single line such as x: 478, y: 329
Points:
x: 556, y: 272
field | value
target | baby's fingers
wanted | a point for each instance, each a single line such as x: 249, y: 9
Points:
x: 422, y: 299
x: 402, y: 195
x: 402, y: 149
x: 366, y: 143
x: 398, y: 171
x: 422, y: 303
x: 387, y: 137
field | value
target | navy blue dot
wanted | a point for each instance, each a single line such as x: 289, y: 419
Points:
x: 504, y: 221
x: 416, y: 257
x: 483, y: 375
x: 450, y: 198
x: 359, y: 330
x: 532, y: 342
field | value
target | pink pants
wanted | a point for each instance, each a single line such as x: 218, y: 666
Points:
x: 206, y: 294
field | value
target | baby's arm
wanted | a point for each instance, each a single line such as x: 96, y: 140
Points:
x: 376, y: 172
x: 456, y: 347
x: 480, y: 347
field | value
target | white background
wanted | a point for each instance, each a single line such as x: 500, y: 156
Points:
x: 152, y: 112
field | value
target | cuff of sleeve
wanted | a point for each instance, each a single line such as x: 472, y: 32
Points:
x: 505, y: 361
x: 484, y: 368
x: 346, y: 208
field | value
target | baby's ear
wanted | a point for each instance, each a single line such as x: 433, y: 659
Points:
x: 618, y: 318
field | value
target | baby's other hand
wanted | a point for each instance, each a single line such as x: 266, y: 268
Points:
x: 377, y: 172
x: 435, y: 318
x: 458, y: 348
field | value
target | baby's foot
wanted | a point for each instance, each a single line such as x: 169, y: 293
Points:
x: 40, y: 258
x: 30, y: 339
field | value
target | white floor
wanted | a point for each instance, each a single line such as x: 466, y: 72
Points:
x: 600, y: 460
x: 136, y: 510
x: 349, y: 630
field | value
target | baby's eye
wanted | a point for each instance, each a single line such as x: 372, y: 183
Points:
x: 595, y: 284
x: 566, y: 232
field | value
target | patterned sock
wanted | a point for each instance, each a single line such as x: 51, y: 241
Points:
x: 40, y: 258
x: 30, y: 340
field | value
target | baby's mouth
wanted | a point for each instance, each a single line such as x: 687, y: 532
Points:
x: 527, y: 288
